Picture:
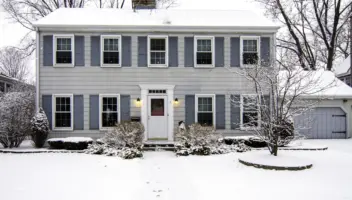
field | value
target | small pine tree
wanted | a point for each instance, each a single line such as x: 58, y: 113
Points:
x: 40, y: 128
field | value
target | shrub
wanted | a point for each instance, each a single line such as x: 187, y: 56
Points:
x: 70, y: 143
x: 124, y: 140
x: 40, y: 128
x: 197, y: 140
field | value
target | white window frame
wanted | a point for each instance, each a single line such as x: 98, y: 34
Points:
x: 166, y: 50
x: 258, y: 49
x: 72, y: 37
x: 101, y: 96
x: 54, y: 111
x: 242, y: 126
x: 212, y: 38
x: 214, y: 106
x: 102, y: 37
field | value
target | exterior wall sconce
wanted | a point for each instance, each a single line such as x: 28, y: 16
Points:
x: 176, y: 102
x: 138, y: 102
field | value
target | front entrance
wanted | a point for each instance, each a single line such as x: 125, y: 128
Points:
x: 157, y: 118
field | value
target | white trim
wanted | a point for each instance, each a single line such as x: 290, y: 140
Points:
x: 196, y: 38
x: 101, y: 96
x: 170, y: 108
x: 55, y: 37
x: 37, y: 60
x: 102, y: 37
x: 241, y: 49
x: 166, y: 50
x: 241, y: 115
x: 54, y: 111
x: 214, y: 106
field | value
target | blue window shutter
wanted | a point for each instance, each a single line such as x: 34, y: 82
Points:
x: 265, y: 51
x: 220, y: 111
x: 125, y: 108
x: 47, y: 107
x: 142, y: 51
x: 219, y: 52
x: 189, y: 51
x: 173, y: 51
x: 48, y: 50
x: 79, y: 50
x: 94, y: 112
x: 235, y: 52
x: 190, y: 109
x: 235, y: 111
x: 126, y: 51
x: 95, y: 51
x: 78, y: 112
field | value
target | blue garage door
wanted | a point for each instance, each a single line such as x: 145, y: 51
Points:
x: 322, y: 123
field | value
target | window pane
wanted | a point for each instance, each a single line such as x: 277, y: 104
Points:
x: 205, y: 104
x: 205, y: 119
x: 111, y: 44
x: 250, y: 119
x: 109, y: 119
x: 204, y: 45
x: 109, y: 104
x: 63, y: 104
x: 62, y: 119
x: 157, y: 107
x: 63, y: 57
x: 157, y: 44
x: 204, y: 58
x: 63, y: 44
x: 250, y: 104
x: 250, y: 45
x: 111, y: 57
x: 250, y: 58
x: 157, y: 58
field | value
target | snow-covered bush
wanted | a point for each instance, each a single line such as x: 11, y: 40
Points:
x: 70, y: 143
x: 16, y: 112
x: 124, y: 140
x: 40, y: 128
x: 197, y: 140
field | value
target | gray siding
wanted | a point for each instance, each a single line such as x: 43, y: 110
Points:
x: 90, y: 80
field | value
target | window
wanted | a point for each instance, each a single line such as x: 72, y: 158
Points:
x: 109, y: 110
x: 249, y: 111
x: 205, y: 110
x: 111, y: 50
x: 157, y: 51
x: 8, y: 87
x: 2, y: 87
x: 63, y: 112
x: 64, y: 54
x: 204, y: 51
x: 250, y: 50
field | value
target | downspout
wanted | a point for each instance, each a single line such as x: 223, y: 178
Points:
x: 37, y: 63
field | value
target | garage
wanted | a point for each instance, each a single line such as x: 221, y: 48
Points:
x: 322, y: 123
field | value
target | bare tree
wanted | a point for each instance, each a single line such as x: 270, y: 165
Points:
x: 316, y: 30
x: 280, y: 95
x: 14, y: 63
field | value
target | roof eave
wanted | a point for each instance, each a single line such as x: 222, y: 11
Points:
x: 154, y: 28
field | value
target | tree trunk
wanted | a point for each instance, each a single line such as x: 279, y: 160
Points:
x: 273, y: 148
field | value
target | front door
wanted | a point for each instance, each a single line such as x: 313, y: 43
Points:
x: 157, y: 118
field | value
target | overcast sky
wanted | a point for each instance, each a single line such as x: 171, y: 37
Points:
x: 11, y: 33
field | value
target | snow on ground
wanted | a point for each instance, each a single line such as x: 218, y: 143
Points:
x: 161, y: 175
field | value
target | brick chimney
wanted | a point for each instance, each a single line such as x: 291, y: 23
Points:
x: 143, y: 4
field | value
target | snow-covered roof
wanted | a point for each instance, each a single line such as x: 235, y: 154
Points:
x: 344, y: 67
x: 94, y: 17
x: 7, y: 77
x: 318, y: 83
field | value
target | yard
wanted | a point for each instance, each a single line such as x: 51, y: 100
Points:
x: 161, y: 175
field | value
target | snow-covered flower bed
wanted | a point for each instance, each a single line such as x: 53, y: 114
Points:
x: 70, y: 143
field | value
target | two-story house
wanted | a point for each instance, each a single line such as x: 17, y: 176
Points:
x: 97, y: 67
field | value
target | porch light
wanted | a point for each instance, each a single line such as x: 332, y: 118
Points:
x: 138, y: 103
x: 138, y: 100
x: 176, y: 102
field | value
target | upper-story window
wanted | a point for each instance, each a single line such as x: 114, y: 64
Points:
x: 158, y: 51
x: 250, y: 50
x: 111, y: 50
x: 204, y: 51
x: 64, y: 50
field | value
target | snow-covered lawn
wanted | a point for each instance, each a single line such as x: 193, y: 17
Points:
x: 161, y: 175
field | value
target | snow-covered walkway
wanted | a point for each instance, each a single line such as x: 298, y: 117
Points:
x: 161, y: 175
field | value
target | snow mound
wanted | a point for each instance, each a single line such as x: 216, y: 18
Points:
x: 71, y: 139
x: 284, y: 161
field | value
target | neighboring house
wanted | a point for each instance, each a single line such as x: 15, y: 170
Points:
x: 6, y: 82
x: 343, y: 72
x: 101, y: 66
